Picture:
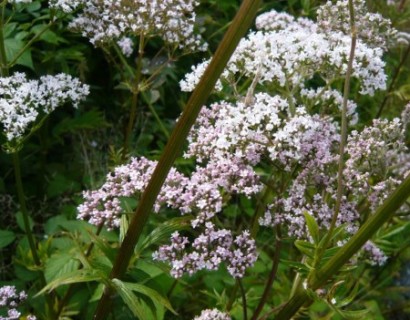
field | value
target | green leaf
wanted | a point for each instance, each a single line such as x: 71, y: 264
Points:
x: 124, y: 223
x: 9, y: 28
x: 163, y: 232
x: 109, y: 252
x: 6, y: 237
x: 404, y: 92
x: 13, y: 47
x: 54, y: 224
x: 312, y: 227
x: 354, y: 314
x: 33, y: 6
x: 130, y: 299
x: 48, y: 35
x: 305, y: 247
x: 396, y: 229
x: 128, y: 203
x: 330, y: 253
x: 298, y: 266
x: 349, y: 299
x: 151, y: 293
x: 77, y: 276
x: 89, y: 120
x: 60, y: 184
x: 60, y: 264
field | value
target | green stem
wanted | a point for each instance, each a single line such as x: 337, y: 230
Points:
x: 271, y: 278
x: 23, y: 209
x: 27, y: 228
x: 345, y: 253
x: 243, y: 295
x: 134, y: 101
x: 198, y: 98
x: 3, y: 58
x: 343, y: 136
x: 156, y: 116
x: 264, y: 198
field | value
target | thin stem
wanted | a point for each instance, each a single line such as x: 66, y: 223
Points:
x: 264, y: 198
x: 134, y: 101
x: 232, y: 297
x: 343, y: 134
x: 243, y: 294
x: 27, y: 228
x: 272, y: 276
x: 198, y: 98
x: 393, y: 82
x: 156, y: 116
x: 173, y: 286
x: 261, y: 207
x: 3, y: 58
x: 23, y: 209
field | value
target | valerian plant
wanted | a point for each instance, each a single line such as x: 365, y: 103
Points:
x: 277, y: 200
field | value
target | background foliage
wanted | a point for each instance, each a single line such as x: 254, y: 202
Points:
x: 75, y: 148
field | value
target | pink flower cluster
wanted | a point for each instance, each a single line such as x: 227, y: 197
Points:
x: 203, y: 195
x: 11, y: 299
x: 209, y: 250
x: 212, y: 314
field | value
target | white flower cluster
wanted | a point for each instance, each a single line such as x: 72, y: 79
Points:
x: 20, y: 1
x: 212, y: 314
x: 103, y: 21
x: 371, y: 27
x: 67, y: 6
x: 330, y: 100
x: 264, y: 130
x: 293, y: 52
x: 23, y: 100
x: 373, y: 152
x: 11, y: 299
x: 371, y: 173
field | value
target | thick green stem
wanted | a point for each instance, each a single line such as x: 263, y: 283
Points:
x: 236, y: 31
x: 345, y: 253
